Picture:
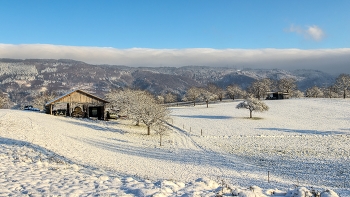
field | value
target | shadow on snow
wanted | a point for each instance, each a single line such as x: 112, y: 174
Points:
x: 205, y: 117
x: 315, y: 132
x: 44, y: 151
x: 94, y: 126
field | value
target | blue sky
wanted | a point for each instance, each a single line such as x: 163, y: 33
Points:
x: 175, y: 24
x: 161, y: 24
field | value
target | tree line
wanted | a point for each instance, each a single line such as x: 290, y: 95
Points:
x: 259, y: 89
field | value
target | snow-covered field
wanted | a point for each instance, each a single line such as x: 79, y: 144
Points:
x: 301, y: 142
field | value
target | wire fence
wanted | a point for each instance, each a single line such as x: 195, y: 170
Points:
x: 191, y: 103
x: 299, y: 171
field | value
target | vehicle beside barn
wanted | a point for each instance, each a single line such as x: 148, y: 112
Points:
x: 78, y: 103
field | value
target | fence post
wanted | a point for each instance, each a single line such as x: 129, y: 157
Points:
x: 201, y: 132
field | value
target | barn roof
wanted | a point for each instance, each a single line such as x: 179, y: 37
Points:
x: 278, y: 92
x: 58, y: 99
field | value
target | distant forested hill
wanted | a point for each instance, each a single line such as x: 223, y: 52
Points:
x: 23, y: 79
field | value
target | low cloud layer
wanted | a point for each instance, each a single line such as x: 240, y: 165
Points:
x: 333, y: 61
x: 310, y: 32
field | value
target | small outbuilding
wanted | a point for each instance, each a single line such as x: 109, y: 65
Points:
x: 277, y: 95
x: 78, y: 103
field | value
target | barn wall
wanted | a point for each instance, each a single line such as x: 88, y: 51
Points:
x: 77, y: 97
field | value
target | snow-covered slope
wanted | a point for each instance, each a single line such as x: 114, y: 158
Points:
x: 300, y: 142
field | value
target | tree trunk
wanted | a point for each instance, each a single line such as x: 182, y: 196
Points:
x: 148, y: 130
x: 160, y: 142
x: 233, y: 97
x: 194, y: 103
x: 220, y: 98
x: 250, y: 113
x: 344, y: 95
x: 207, y: 103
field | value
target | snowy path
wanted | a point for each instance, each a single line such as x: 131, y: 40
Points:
x: 183, y: 140
x: 222, y: 161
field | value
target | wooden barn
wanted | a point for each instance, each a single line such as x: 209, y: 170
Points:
x: 277, y: 95
x: 78, y: 104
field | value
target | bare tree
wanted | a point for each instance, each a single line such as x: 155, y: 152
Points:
x: 343, y: 83
x: 193, y: 94
x: 161, y: 130
x: 253, y: 104
x: 214, y: 89
x: 314, y: 92
x: 41, y: 99
x: 259, y: 88
x: 234, y: 91
x: 287, y: 85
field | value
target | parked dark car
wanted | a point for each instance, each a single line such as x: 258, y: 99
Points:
x: 31, y: 108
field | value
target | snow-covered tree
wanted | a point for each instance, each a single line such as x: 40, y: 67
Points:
x: 4, y: 101
x: 193, y: 94
x: 160, y: 99
x: 286, y: 85
x: 219, y: 92
x: 259, y: 88
x: 41, y: 99
x: 343, y: 83
x: 234, y: 91
x: 314, y: 91
x: 153, y: 114
x: 170, y: 98
x: 139, y: 106
x: 129, y: 102
x: 253, y: 104
x: 296, y: 94
x: 120, y: 99
x: 330, y: 92
x: 207, y: 96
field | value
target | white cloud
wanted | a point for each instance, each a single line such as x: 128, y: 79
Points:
x: 329, y: 60
x: 310, y: 32
x: 315, y: 33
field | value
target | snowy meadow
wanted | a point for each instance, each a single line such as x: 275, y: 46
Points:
x: 208, y: 151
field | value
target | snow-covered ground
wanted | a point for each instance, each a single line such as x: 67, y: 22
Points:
x: 299, y: 142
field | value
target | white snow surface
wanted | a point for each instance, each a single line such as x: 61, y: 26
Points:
x: 303, y: 144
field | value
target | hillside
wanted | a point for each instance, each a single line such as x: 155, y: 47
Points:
x: 295, y: 141
x: 23, y: 79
